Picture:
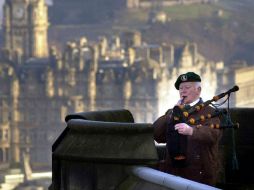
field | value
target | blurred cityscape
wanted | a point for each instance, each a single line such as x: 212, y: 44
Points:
x: 59, y: 57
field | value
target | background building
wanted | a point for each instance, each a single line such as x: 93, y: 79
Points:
x: 245, y: 81
x: 41, y: 85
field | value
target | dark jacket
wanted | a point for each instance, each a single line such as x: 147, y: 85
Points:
x: 202, y: 148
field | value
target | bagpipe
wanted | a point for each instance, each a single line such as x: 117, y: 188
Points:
x: 177, y: 146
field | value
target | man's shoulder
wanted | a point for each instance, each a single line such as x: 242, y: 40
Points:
x: 208, y: 109
x: 168, y: 111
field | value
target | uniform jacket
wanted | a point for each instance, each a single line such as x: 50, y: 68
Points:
x: 202, y: 148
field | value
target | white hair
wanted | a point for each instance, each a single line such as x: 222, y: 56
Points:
x: 197, y: 84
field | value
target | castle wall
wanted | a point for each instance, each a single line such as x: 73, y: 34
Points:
x: 87, y: 76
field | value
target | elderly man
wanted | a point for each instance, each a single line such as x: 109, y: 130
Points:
x: 201, y: 151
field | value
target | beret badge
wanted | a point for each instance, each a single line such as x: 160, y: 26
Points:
x: 184, y: 77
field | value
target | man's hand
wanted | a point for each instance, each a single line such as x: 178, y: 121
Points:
x: 181, y: 101
x: 184, y: 129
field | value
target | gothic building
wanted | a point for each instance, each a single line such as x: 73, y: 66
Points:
x: 41, y: 85
x: 25, y: 81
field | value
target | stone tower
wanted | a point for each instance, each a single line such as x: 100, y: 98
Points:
x: 25, y: 26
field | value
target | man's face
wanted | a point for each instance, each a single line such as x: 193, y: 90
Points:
x: 190, y: 91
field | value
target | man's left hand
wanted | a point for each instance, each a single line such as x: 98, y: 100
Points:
x: 184, y: 129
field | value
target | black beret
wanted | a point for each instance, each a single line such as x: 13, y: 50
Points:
x: 187, y: 77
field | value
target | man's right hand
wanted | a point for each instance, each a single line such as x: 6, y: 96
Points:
x: 184, y: 129
x: 181, y: 101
